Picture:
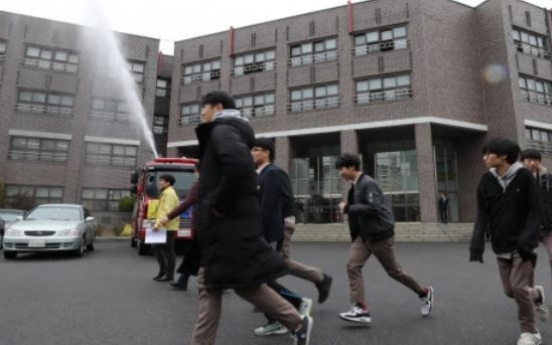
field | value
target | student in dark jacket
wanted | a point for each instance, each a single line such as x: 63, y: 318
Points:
x: 189, y: 201
x: 227, y: 221
x: 371, y: 224
x: 508, y: 206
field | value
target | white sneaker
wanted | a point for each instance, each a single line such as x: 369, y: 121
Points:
x: 542, y: 309
x: 530, y: 339
x: 271, y: 328
x: 427, y: 301
x: 306, y: 306
x: 356, y: 314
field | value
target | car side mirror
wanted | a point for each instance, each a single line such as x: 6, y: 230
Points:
x: 89, y: 219
x: 134, y: 189
x: 134, y: 178
x: 19, y: 218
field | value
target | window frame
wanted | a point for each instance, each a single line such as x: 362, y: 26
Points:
x: 382, y: 44
x: 257, y: 110
x: 201, y: 74
x: 51, y: 62
x: 191, y: 117
x: 383, y: 93
x: 35, y: 106
x: 313, y: 102
x: 107, y: 203
x: 539, y: 49
x: 38, y: 151
x: 110, y: 158
x: 313, y: 56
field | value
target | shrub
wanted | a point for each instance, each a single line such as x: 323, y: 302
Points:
x: 126, y: 204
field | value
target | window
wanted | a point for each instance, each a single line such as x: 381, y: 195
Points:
x: 381, y: 41
x: 310, y: 98
x: 42, y: 102
x: 48, y: 58
x: 111, y: 154
x: 254, y: 62
x: 137, y: 69
x: 39, y: 194
x: 536, y: 90
x: 530, y: 43
x: 189, y: 114
x: 256, y: 105
x: 539, y: 139
x: 2, y: 50
x: 39, y: 149
x: 202, y: 71
x: 110, y: 110
x: 160, y: 124
x: 103, y: 199
x: 383, y: 89
x: 162, y: 88
x: 313, y: 52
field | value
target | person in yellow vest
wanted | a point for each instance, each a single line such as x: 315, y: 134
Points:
x: 164, y: 252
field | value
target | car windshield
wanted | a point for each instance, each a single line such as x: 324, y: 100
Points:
x: 9, y: 216
x: 184, y: 180
x: 55, y: 213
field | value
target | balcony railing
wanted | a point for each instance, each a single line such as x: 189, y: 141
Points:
x: 254, y: 68
x: 213, y: 75
x: 314, y: 104
x: 53, y: 65
x: 259, y: 111
x: 55, y: 157
x: 162, y: 92
x: 383, y: 96
x: 109, y: 116
x: 381, y: 47
x: 526, y: 48
x: 189, y: 119
x: 313, y: 58
x: 539, y: 99
x: 42, y: 109
x: 541, y: 146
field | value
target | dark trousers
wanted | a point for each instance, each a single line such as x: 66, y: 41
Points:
x: 164, y: 253
x: 444, y: 216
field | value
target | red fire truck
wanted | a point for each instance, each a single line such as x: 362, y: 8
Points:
x: 145, y: 185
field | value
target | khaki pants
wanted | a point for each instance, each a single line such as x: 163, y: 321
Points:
x: 384, y: 251
x: 297, y: 269
x: 210, y: 303
x: 515, y: 275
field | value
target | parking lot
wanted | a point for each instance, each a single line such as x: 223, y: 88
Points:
x: 108, y: 297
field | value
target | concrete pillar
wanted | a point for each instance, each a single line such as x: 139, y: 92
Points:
x: 426, y: 173
x: 349, y: 141
x: 282, y: 159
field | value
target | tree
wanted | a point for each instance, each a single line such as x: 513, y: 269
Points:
x: 126, y: 204
x: 23, y: 201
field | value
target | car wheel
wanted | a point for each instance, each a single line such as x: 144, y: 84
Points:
x: 90, y: 247
x: 142, y: 248
x: 80, y: 252
x: 133, y: 242
x: 10, y: 255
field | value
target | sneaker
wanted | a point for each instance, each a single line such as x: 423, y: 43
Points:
x: 271, y: 328
x: 324, y: 288
x: 530, y: 339
x: 427, y: 301
x: 542, y: 309
x: 302, y: 336
x: 306, y: 306
x: 356, y: 314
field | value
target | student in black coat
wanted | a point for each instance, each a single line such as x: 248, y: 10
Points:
x: 508, y: 207
x: 227, y: 221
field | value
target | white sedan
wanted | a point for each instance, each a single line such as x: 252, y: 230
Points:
x: 51, y: 227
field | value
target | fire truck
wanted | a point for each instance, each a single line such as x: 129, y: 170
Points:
x: 146, y: 188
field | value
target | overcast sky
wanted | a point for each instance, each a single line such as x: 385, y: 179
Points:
x: 174, y: 20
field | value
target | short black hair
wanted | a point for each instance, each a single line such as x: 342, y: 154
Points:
x: 503, y: 147
x: 216, y: 97
x: 531, y: 154
x: 168, y: 178
x: 268, y: 145
x: 348, y: 160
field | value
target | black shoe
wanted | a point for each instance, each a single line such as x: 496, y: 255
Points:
x: 158, y: 276
x: 324, y: 288
x: 179, y: 287
x: 302, y: 336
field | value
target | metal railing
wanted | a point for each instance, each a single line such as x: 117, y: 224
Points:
x: 383, y: 96
x: 44, y: 156
x: 53, y: 65
x: 43, y: 109
x: 314, y: 104
x: 206, y: 76
x: 380, y: 47
x: 527, y: 48
x: 542, y: 146
x: 539, y: 99
x: 109, y: 116
x: 313, y: 58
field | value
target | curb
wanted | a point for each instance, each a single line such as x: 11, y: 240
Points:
x: 112, y: 238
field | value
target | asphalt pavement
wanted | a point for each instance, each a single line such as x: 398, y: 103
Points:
x: 108, y: 297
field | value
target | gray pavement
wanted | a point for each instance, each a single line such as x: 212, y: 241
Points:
x: 107, y: 297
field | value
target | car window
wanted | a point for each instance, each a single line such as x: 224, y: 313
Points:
x: 55, y: 213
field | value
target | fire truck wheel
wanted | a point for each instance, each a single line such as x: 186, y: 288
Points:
x: 142, y: 248
x: 132, y: 242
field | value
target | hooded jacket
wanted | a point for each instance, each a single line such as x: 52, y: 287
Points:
x: 509, y: 208
x: 227, y: 216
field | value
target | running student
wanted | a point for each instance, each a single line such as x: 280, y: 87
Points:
x: 509, y: 209
x: 371, y: 224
